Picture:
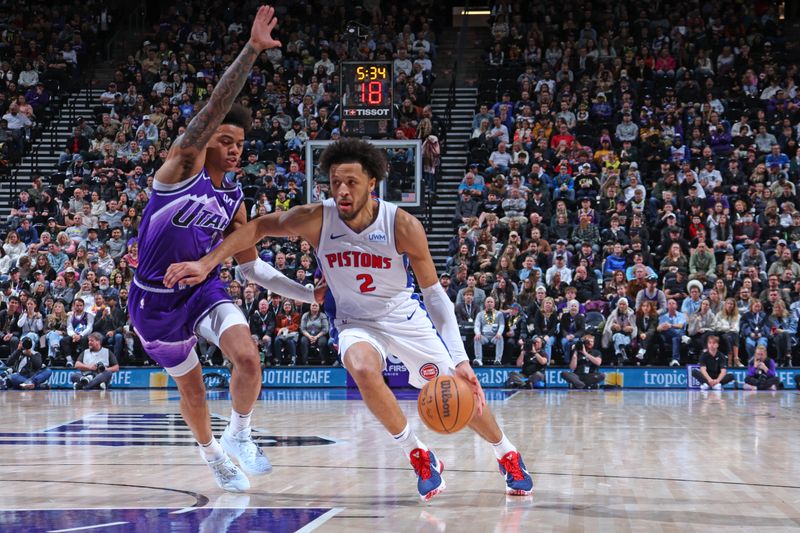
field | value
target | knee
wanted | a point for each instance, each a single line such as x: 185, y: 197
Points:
x: 246, y: 361
x: 361, y: 368
x: 194, y: 395
x: 243, y: 354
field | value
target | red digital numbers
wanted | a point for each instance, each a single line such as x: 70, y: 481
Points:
x: 371, y: 93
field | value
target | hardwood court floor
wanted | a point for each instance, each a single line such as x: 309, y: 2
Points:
x: 601, y: 461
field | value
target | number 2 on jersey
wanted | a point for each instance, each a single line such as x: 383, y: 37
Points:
x: 366, y: 283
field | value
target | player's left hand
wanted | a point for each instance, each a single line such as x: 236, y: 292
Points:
x: 464, y: 371
x: 187, y: 273
x: 261, y: 31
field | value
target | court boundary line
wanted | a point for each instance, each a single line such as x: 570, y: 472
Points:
x: 51, y: 428
x: 181, y: 509
x: 392, y: 468
x: 84, y: 528
x: 320, y: 520
x: 201, y: 500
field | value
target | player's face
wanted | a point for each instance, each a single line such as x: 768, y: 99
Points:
x: 224, y: 150
x: 351, y: 187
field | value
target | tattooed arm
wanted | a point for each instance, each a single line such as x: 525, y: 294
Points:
x: 187, y: 154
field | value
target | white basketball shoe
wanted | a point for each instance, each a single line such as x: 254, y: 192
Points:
x: 228, y: 476
x: 247, y: 453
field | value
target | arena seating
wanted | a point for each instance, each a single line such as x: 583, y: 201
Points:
x: 104, y: 175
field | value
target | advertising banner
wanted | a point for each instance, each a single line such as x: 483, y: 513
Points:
x: 396, y: 377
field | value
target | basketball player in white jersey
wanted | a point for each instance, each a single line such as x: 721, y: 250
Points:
x: 364, y: 247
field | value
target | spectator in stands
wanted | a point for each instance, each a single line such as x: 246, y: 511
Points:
x: 646, y: 326
x: 672, y: 326
x: 9, y: 324
x: 572, y: 326
x: 754, y: 327
x: 489, y: 328
x: 782, y: 332
x: 700, y: 324
x: 287, y: 327
x: 80, y: 324
x: 314, y: 330
x: 515, y: 334
x: 727, y: 329
x: 262, y: 327
x: 620, y: 330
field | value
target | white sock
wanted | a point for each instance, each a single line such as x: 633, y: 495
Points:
x: 503, y: 447
x: 212, y: 450
x: 239, y: 421
x: 408, y: 441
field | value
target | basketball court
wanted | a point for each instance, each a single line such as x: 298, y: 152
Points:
x: 122, y: 460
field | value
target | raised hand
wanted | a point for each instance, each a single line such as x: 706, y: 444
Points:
x: 261, y: 32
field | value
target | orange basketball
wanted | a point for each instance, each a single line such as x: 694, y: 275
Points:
x: 446, y: 404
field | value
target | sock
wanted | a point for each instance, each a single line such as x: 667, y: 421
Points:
x: 211, y: 451
x: 239, y: 422
x: 408, y: 441
x: 503, y: 447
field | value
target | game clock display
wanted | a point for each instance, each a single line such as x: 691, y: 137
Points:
x: 366, y: 90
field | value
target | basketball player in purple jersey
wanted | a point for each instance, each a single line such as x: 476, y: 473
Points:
x: 190, y: 210
x: 364, y: 247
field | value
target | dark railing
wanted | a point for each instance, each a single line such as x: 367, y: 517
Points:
x: 134, y: 24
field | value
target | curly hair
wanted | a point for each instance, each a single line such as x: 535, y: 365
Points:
x: 352, y: 150
x: 240, y: 116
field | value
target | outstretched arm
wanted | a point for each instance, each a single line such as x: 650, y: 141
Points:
x: 262, y: 273
x: 303, y: 220
x: 412, y: 240
x: 184, y: 157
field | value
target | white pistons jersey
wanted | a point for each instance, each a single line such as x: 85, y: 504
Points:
x: 367, y: 279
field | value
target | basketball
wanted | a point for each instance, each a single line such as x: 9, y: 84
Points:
x: 446, y: 404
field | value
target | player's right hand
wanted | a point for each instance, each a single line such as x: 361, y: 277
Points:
x: 464, y: 370
x: 320, y: 290
x: 187, y: 273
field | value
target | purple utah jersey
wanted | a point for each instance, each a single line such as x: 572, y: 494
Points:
x: 183, y: 224
x: 179, y: 224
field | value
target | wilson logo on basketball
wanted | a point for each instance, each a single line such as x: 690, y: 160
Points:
x: 429, y: 371
x: 447, y: 394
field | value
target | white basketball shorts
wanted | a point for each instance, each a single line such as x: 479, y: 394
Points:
x: 408, y: 334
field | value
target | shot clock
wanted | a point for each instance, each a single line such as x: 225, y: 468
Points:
x: 366, y: 89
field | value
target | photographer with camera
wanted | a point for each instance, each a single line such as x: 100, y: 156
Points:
x: 761, y: 372
x: 532, y: 361
x: 584, y: 365
x: 28, y: 370
x: 96, y: 365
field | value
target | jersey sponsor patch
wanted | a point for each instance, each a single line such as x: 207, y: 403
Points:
x: 429, y: 371
x: 377, y: 237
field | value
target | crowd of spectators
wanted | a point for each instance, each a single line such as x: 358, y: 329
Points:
x: 44, y: 50
x: 71, y: 253
x: 633, y: 175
